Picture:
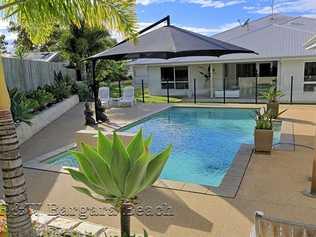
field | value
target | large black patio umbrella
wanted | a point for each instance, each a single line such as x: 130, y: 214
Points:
x: 165, y: 42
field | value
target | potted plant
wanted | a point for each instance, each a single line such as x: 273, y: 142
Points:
x: 263, y: 131
x: 272, y: 96
x: 114, y: 173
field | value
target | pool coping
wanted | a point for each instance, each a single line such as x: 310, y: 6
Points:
x: 228, y: 187
x: 230, y: 184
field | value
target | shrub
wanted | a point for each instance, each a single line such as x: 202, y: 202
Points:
x: 42, y: 97
x: 264, y: 119
x: 272, y: 94
x: 61, y: 88
x: 21, y: 107
x: 82, y: 90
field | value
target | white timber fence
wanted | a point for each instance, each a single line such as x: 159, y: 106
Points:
x: 27, y: 75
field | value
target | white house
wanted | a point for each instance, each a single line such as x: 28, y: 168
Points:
x: 279, y: 41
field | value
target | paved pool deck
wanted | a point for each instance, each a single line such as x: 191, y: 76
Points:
x: 272, y: 183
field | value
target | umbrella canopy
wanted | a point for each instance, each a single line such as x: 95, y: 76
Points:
x: 169, y: 42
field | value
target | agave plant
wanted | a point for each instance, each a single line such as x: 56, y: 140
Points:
x: 115, y: 174
x: 272, y: 94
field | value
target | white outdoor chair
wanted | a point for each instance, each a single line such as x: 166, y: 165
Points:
x: 273, y: 227
x: 128, y: 97
x: 104, y: 96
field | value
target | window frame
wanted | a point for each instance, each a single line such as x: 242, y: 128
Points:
x: 173, y: 83
x: 309, y: 82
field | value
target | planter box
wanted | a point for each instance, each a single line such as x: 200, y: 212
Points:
x: 44, y: 118
x: 263, y: 140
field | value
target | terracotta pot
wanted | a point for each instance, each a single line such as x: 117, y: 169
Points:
x: 274, y: 108
x: 263, y: 140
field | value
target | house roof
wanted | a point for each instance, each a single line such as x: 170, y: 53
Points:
x: 276, y: 37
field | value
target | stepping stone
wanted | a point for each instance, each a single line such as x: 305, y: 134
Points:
x: 88, y: 229
x: 63, y: 224
x: 42, y: 219
x: 117, y: 233
x: 112, y: 233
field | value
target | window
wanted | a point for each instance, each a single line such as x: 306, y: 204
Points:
x: 310, y: 76
x: 268, y: 69
x: 176, y: 76
x: 167, y: 75
x: 246, y: 70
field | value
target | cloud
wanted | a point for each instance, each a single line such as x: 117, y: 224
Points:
x: 215, y: 4
x: 148, y: 2
x: 309, y: 15
x: 200, y: 30
x: 211, y: 31
x: 286, y: 6
x: 202, y: 3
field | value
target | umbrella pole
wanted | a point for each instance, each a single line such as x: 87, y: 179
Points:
x: 95, y: 89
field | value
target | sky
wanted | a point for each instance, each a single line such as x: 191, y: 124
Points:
x: 213, y: 16
x: 208, y: 17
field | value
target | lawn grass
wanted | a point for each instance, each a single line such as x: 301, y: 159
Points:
x: 114, y: 88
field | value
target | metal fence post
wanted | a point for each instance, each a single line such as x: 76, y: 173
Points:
x: 143, y: 91
x: 168, y: 92
x: 256, y: 87
x: 291, y: 97
x: 120, y: 90
x: 194, y: 90
x: 224, y: 90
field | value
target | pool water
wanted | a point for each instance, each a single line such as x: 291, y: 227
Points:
x: 205, y: 141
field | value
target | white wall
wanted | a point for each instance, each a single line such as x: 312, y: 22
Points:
x: 154, y: 78
x: 294, y: 68
x: 217, y: 75
x: 202, y: 84
x: 140, y: 73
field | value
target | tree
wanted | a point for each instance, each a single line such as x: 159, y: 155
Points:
x: 114, y: 174
x: 109, y: 69
x: 23, y: 41
x: 24, y: 44
x: 3, y: 44
x: 78, y: 42
x: 36, y: 16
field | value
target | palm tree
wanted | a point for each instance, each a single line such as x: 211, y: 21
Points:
x: 36, y: 17
x: 115, y: 174
x: 12, y: 169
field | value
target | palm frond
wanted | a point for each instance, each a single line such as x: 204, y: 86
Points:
x: 38, y: 17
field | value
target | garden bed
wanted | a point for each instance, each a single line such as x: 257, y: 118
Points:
x: 42, y: 119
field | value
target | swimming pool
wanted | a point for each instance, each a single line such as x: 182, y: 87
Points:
x: 205, y: 141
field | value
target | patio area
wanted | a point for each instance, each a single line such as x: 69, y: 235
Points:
x: 272, y: 183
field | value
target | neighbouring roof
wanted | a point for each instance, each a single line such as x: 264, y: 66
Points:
x: 276, y: 37
x: 43, y: 56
